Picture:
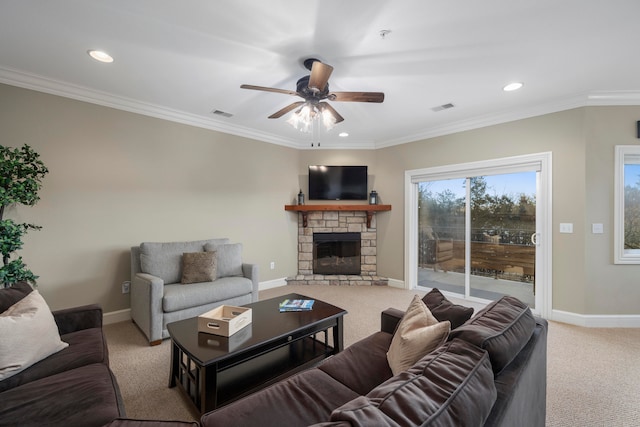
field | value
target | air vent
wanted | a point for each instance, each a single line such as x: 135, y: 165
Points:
x: 222, y: 113
x: 442, y: 107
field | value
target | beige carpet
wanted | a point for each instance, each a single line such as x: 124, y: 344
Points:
x: 593, y: 374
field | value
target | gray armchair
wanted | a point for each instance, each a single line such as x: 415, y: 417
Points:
x: 158, y: 295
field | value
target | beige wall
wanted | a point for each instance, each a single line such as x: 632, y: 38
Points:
x: 118, y: 179
x: 609, y: 288
x: 585, y: 280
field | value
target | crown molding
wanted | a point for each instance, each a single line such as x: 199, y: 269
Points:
x: 80, y: 93
x: 596, y: 98
x: 55, y: 87
x: 628, y: 97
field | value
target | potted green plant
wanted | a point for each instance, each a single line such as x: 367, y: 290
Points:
x: 21, y: 173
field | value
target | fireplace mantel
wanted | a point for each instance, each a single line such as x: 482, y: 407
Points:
x: 369, y: 209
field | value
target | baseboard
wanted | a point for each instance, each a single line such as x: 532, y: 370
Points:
x: 116, y: 316
x: 585, y: 320
x: 395, y: 283
x: 596, y: 320
x: 270, y: 284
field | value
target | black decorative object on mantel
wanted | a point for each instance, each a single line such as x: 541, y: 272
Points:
x: 301, y: 198
x: 373, y: 197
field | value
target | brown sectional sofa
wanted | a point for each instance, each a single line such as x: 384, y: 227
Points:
x: 491, y: 372
x: 73, y: 387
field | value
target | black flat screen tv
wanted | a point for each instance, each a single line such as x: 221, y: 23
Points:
x: 337, y: 183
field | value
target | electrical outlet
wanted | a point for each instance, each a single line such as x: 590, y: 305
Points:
x: 272, y: 265
x: 125, y: 287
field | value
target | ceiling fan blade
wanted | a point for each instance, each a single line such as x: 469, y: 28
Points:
x: 356, y: 96
x: 286, y: 109
x: 337, y: 115
x: 269, y: 89
x: 320, y: 73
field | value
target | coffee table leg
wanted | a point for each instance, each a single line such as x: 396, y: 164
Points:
x: 338, y: 336
x: 175, y: 354
x: 208, y: 388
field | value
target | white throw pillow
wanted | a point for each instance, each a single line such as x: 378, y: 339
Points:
x: 29, y: 334
x: 418, y: 334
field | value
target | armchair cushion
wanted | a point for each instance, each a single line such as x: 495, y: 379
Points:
x: 229, y: 258
x: 198, y: 267
x: 180, y: 297
x: 29, y: 334
x: 164, y: 260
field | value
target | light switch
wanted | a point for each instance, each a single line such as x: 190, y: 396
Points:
x: 566, y: 227
x: 597, y: 228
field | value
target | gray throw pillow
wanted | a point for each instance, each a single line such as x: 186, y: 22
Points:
x: 229, y: 258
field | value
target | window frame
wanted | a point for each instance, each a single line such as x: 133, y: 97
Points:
x: 620, y: 256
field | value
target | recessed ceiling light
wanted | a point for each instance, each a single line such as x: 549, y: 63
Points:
x: 512, y: 86
x: 343, y: 134
x: 101, y: 56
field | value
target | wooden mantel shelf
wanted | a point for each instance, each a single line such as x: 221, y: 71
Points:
x: 369, y: 209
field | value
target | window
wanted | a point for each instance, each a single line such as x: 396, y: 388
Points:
x: 627, y: 205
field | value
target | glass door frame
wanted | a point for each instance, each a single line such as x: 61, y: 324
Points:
x: 540, y: 162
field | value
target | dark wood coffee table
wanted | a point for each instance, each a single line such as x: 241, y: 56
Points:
x: 214, y: 370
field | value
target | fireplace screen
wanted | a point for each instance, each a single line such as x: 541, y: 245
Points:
x: 336, y: 253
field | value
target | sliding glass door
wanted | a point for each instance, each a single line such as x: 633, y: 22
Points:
x: 478, y: 234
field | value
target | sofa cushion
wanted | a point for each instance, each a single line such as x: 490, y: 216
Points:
x: 198, y: 267
x: 164, y: 260
x: 417, y: 334
x: 452, y: 386
x: 29, y: 334
x: 363, y: 365
x: 86, y: 396
x: 443, y: 309
x: 86, y: 346
x: 178, y: 297
x: 229, y: 258
x: 128, y: 422
x: 300, y: 400
x: 502, y: 328
x: 13, y: 294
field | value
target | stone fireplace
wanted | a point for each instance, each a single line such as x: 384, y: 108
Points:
x: 329, y: 227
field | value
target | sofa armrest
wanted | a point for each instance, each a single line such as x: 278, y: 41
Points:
x: 78, y: 318
x: 146, y: 304
x: 389, y: 319
x: 250, y: 271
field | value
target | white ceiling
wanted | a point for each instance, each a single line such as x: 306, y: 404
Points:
x: 180, y: 60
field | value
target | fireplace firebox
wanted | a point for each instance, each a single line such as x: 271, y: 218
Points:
x: 336, y: 253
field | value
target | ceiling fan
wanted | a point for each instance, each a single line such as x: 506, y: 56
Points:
x: 314, y: 89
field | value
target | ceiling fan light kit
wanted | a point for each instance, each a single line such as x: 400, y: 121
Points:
x: 303, y: 119
x: 314, y: 89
